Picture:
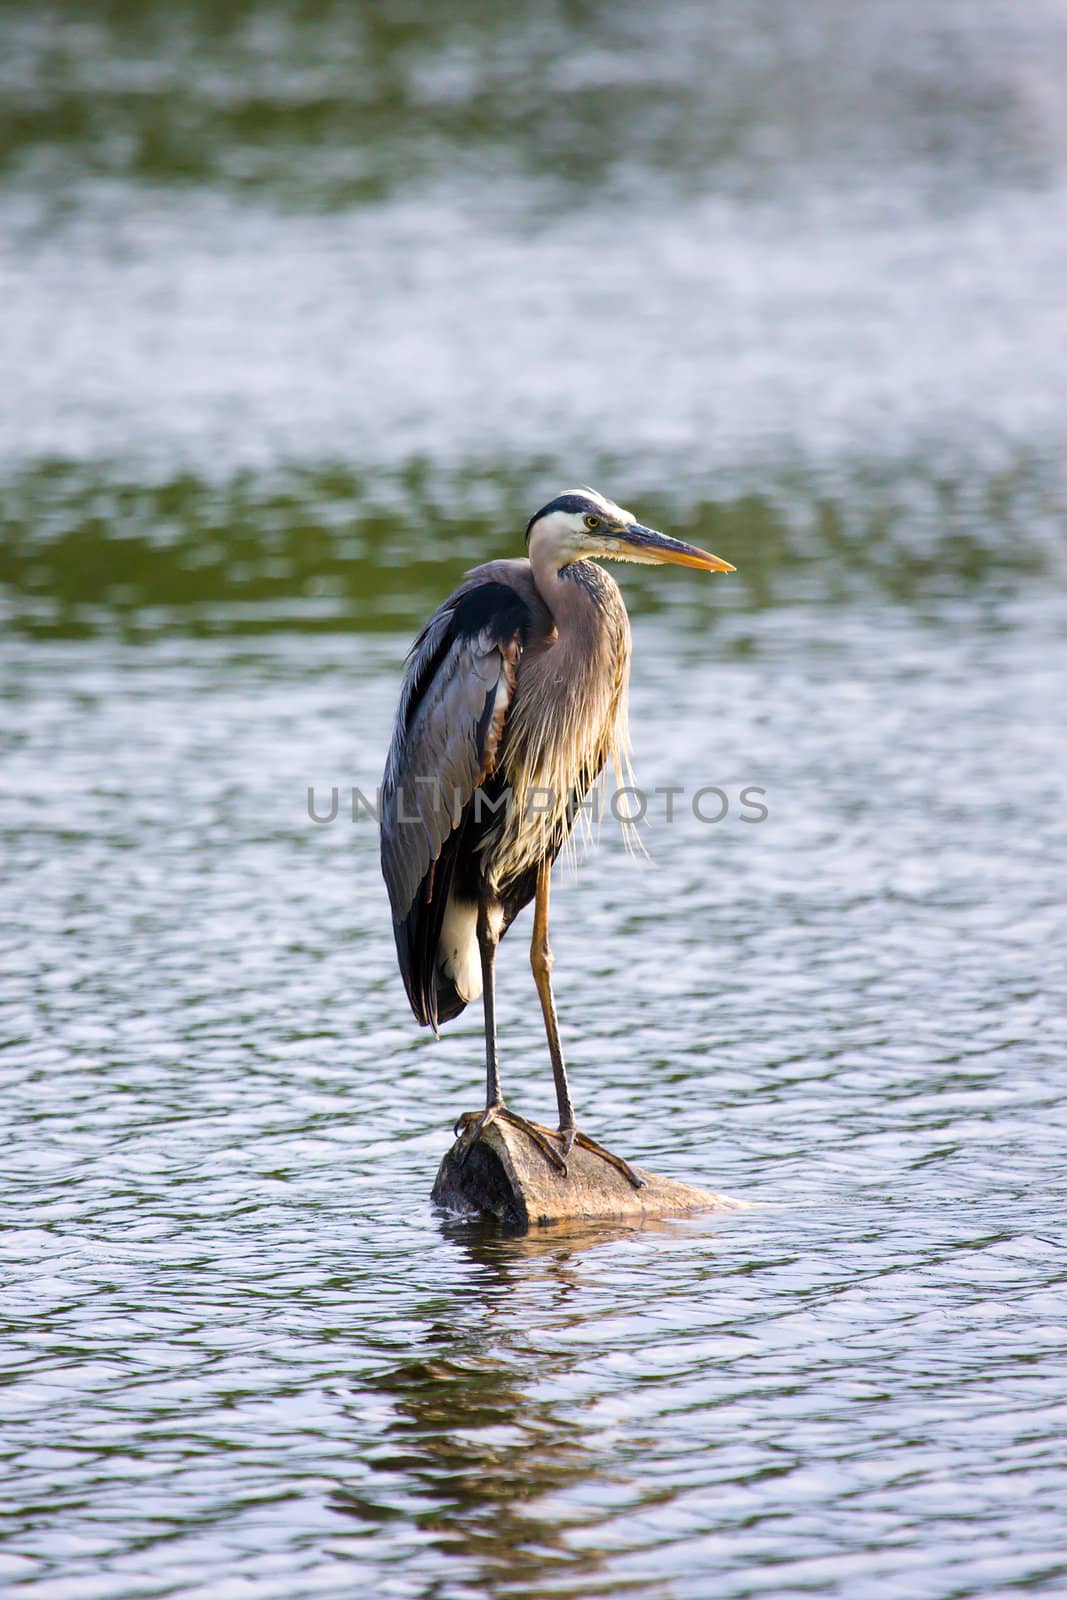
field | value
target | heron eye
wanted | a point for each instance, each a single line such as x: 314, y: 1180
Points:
x: 592, y: 522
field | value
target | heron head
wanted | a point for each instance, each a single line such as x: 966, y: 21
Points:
x: 582, y: 525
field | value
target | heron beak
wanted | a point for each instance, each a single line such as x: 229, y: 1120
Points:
x: 638, y: 543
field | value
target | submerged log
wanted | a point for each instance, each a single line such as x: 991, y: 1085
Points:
x: 504, y: 1175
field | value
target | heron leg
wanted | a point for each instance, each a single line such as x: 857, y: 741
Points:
x: 474, y: 1124
x: 541, y: 960
x: 488, y: 939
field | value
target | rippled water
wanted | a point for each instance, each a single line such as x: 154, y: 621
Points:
x: 301, y: 316
x: 240, y: 1342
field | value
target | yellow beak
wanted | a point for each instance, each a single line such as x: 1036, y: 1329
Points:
x: 648, y: 545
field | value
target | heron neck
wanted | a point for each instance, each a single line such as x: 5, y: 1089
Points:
x: 559, y: 583
x: 588, y: 611
x: 565, y: 595
x: 575, y: 676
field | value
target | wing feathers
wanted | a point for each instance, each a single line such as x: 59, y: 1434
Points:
x: 457, y: 691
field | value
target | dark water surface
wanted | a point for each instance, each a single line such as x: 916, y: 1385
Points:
x: 302, y: 314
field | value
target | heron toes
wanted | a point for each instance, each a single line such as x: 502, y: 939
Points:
x: 573, y: 1137
x: 474, y: 1123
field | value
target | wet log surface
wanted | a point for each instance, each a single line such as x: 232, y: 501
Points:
x: 504, y: 1175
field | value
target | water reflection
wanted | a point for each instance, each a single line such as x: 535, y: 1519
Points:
x: 335, y: 105
x: 485, y: 1436
x: 340, y: 315
x: 475, y: 1456
x: 82, y: 553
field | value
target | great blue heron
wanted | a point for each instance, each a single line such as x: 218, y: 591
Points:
x: 513, y: 699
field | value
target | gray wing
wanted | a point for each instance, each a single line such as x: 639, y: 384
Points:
x: 457, y: 690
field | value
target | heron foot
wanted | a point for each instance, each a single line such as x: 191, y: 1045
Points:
x: 474, y: 1123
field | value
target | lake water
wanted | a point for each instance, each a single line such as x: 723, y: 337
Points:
x: 302, y: 315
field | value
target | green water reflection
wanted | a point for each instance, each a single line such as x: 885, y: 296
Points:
x: 334, y: 105
x: 326, y: 548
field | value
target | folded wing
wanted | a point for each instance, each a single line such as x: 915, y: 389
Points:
x: 457, y: 691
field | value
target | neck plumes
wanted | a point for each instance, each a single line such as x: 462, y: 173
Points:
x: 569, y: 716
